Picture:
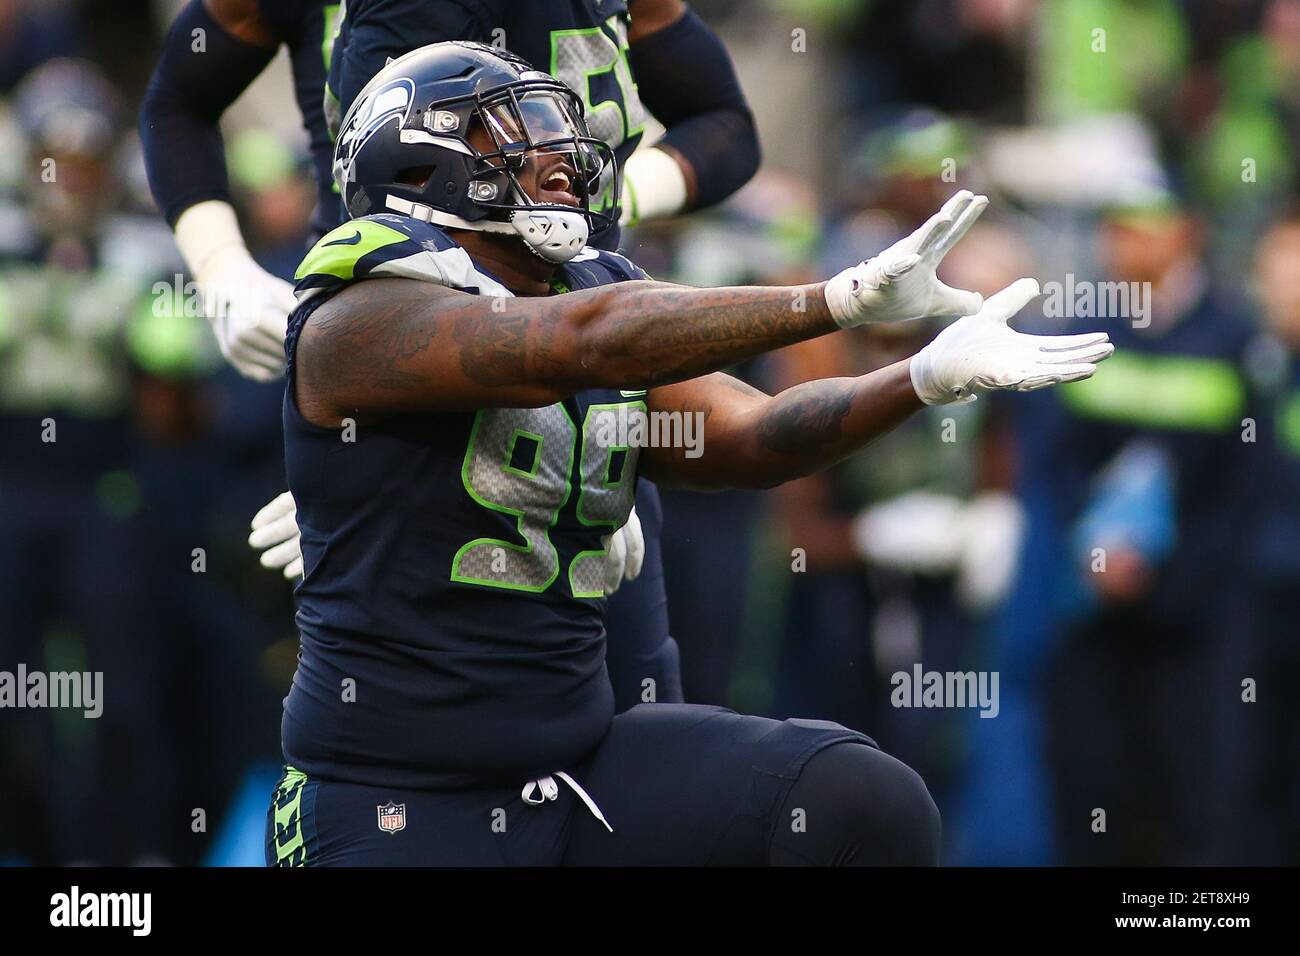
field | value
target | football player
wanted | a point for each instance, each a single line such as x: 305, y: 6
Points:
x: 621, y: 58
x: 451, y: 704
x: 216, y: 48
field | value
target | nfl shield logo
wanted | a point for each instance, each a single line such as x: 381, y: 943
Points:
x: 392, y: 817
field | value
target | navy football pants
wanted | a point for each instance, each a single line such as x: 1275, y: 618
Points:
x: 679, y: 784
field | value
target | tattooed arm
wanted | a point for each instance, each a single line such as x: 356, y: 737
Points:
x: 753, y: 440
x: 391, y: 345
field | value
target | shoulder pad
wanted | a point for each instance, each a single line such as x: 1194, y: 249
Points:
x: 387, y: 245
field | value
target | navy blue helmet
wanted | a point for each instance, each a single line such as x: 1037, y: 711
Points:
x: 405, y: 146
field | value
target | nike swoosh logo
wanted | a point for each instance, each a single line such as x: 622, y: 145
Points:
x: 352, y: 240
x: 634, y: 393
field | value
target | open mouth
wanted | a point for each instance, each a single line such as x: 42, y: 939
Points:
x: 556, y: 185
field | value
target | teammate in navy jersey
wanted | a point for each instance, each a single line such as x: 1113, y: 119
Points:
x: 458, y: 365
x: 627, y: 59
x: 213, y: 51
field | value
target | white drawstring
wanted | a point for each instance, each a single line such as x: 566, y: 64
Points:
x: 550, y: 790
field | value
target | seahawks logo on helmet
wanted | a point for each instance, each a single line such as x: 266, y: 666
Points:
x: 391, y: 101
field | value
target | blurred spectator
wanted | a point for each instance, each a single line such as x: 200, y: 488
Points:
x: 122, y: 523
x: 1264, y: 649
x: 32, y: 32
x: 271, y: 180
x: 69, y: 505
x: 900, y: 172
x: 1147, y: 461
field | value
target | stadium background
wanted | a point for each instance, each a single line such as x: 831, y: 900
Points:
x: 1162, y: 150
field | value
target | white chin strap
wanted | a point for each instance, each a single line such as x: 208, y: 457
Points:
x: 554, y: 235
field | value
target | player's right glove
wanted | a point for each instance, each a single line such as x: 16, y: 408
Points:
x: 900, y: 283
x: 247, y: 307
x: 981, y: 352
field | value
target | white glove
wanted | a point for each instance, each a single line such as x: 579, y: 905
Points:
x: 982, y: 352
x: 276, y: 535
x: 900, y: 283
x: 993, y: 527
x: 922, y: 532
x: 246, y: 305
x: 625, y: 554
x: 916, y: 531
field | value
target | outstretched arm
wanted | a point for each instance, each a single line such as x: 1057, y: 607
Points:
x: 389, y: 345
x: 752, y: 440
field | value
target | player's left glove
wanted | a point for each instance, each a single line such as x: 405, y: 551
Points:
x: 981, y: 352
x: 900, y: 283
x: 625, y: 554
x: 276, y: 535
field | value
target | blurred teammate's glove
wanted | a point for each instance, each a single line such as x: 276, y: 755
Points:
x: 625, y: 555
x: 993, y: 527
x: 900, y: 283
x: 923, y: 532
x: 916, y: 531
x: 275, y: 534
x: 981, y: 352
x: 246, y: 305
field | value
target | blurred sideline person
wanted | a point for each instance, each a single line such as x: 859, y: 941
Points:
x: 452, y: 556
x: 1148, y: 468
x: 1265, y: 612
x: 74, y: 273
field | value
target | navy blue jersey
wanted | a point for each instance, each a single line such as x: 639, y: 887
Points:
x: 1182, y: 390
x: 306, y: 27
x: 582, y: 43
x: 453, y: 560
x: 1273, y: 531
